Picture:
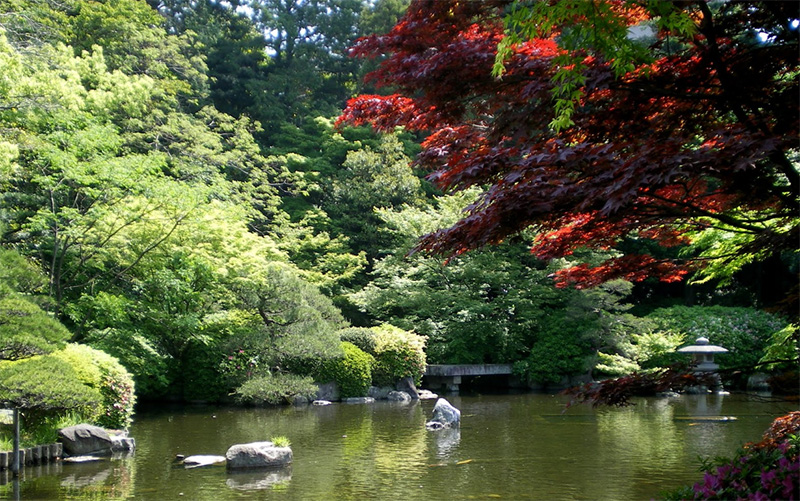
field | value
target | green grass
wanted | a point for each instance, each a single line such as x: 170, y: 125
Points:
x: 280, y: 441
x: 45, y: 432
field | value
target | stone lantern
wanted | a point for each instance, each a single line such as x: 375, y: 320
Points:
x: 703, y: 357
x: 703, y: 354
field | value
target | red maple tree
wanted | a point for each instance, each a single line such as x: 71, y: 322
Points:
x: 703, y: 134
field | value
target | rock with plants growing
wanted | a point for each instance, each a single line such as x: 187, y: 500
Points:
x: 258, y: 455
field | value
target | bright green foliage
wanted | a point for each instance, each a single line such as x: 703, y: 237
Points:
x: 285, y: 316
x: 275, y: 389
x: 153, y: 370
x: 727, y: 250
x: 20, y: 274
x: 104, y: 373
x: 280, y: 441
x: 641, y: 350
x: 325, y: 261
x: 783, y: 350
x: 398, y: 354
x: 352, y: 372
x: 371, y: 179
x: 41, y: 429
x: 25, y: 329
x: 480, y: 307
x: 44, y: 385
x: 362, y: 337
x: 138, y: 212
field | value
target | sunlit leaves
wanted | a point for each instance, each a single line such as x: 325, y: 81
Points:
x: 25, y: 329
x: 44, y: 383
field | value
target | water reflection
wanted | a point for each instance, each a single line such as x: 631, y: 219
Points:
x: 259, y: 480
x: 512, y: 446
x: 446, y: 441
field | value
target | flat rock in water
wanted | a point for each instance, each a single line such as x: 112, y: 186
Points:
x: 398, y: 396
x: 83, y: 459
x: 710, y: 419
x: 203, y: 460
x: 358, y: 400
x: 258, y: 455
x: 427, y: 395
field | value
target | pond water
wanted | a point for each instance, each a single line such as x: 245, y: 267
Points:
x: 509, y: 447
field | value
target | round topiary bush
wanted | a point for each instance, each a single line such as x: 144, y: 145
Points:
x: 352, y: 372
x: 101, y: 371
x: 398, y: 354
x: 363, y: 337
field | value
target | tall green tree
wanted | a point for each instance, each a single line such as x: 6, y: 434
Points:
x: 371, y: 179
x: 309, y: 73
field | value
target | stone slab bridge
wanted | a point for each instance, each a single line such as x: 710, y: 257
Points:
x: 448, y: 377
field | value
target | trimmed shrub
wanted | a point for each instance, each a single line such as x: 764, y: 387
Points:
x: 25, y: 329
x: 559, y: 349
x: 398, y: 354
x: 275, y: 389
x: 45, y: 386
x: 352, y: 372
x: 101, y: 371
x: 362, y: 337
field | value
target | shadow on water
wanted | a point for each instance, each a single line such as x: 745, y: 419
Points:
x: 520, y: 446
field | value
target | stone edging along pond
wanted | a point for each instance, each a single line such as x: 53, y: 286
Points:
x: 38, y: 454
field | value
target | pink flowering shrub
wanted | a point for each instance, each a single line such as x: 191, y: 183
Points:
x: 240, y: 365
x: 102, y: 372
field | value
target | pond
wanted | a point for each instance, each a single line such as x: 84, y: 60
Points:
x: 509, y: 447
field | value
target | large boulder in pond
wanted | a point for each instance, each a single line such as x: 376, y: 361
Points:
x: 257, y: 455
x: 398, y: 396
x: 407, y: 385
x: 444, y: 416
x: 85, y: 439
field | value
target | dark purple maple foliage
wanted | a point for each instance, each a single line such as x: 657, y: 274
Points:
x: 703, y: 135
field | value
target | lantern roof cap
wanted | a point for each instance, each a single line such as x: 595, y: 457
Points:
x: 701, y: 346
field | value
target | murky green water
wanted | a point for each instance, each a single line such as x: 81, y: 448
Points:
x: 509, y: 447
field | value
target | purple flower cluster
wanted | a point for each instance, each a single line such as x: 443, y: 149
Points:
x: 239, y: 364
x: 764, y: 474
